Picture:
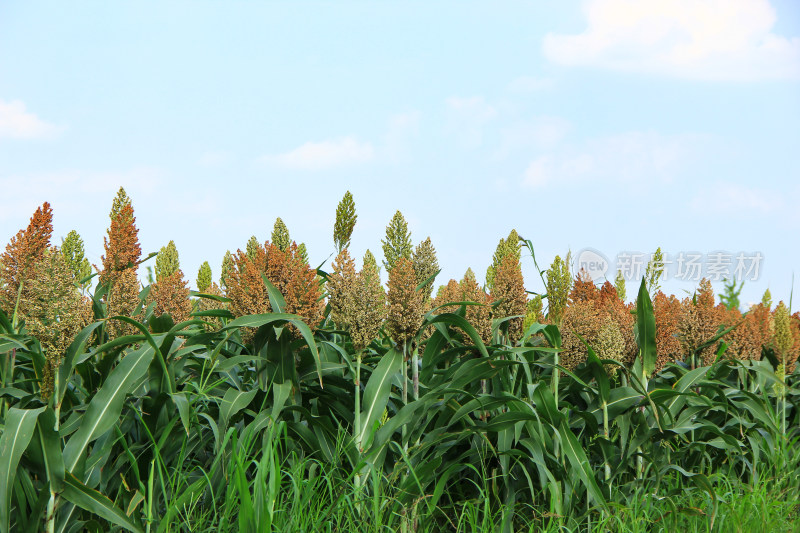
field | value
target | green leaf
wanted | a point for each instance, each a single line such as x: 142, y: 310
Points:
x: 646, y: 328
x: 580, y: 464
x: 50, y: 443
x: 180, y: 401
x: 276, y: 300
x: 94, y: 502
x: 104, y: 409
x: 458, y: 321
x: 376, y: 394
x: 17, y: 434
x: 233, y: 402
x: 619, y: 401
x: 256, y: 321
x: 77, y: 346
x: 684, y: 383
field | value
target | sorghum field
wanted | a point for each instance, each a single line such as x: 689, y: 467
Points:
x: 286, y: 398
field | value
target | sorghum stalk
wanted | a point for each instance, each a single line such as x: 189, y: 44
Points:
x: 405, y: 372
x: 51, y: 504
x: 359, y: 476
x: 556, y: 372
x: 357, y: 383
x: 605, y: 434
x: 415, y: 372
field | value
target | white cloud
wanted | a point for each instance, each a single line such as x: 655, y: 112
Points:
x: 627, y: 158
x: 18, y: 123
x: 697, y: 39
x: 324, y: 154
x: 468, y: 116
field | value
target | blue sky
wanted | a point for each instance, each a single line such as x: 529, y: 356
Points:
x: 619, y: 125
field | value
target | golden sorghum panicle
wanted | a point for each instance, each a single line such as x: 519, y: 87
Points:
x: 506, y: 246
x: 303, y: 293
x: 509, y: 289
x: 280, y: 235
x: 345, y: 222
x: 745, y: 340
x: 286, y: 270
x: 447, y: 294
x: 369, y: 309
x: 480, y: 316
x: 588, y: 311
x: 341, y: 286
x: 171, y: 295
x: 425, y: 266
x: 786, y: 337
x: 559, y: 283
x: 397, y: 243
x: 207, y: 304
x: 700, y: 321
x: 22, y: 253
x: 245, y: 287
x: 170, y: 292
x: 122, y: 252
x: 610, y: 343
x: 583, y: 288
x: 581, y: 318
x: 667, y: 311
x: 54, y: 311
x: 405, y: 305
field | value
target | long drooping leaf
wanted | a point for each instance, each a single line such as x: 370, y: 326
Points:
x: 104, y: 409
x: 453, y: 319
x: 580, y: 464
x: 256, y: 321
x: 79, y: 494
x: 17, y: 434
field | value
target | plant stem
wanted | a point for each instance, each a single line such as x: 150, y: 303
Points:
x: 605, y: 434
x: 405, y: 372
x: 415, y: 373
x: 51, y: 504
x: 357, y: 383
x: 555, y: 378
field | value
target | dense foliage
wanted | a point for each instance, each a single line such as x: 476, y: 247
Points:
x: 286, y: 398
